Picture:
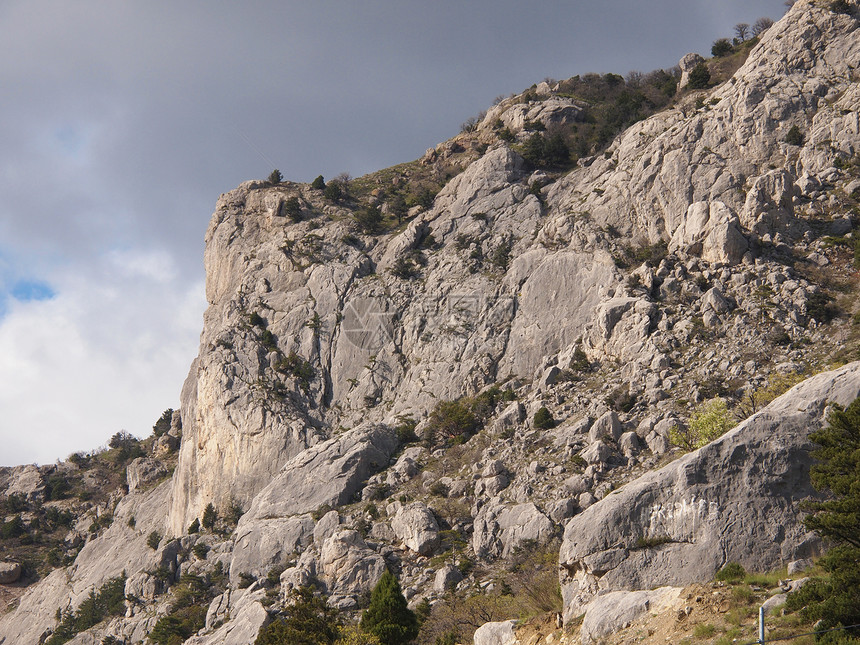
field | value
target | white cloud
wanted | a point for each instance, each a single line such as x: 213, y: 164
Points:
x: 98, y: 358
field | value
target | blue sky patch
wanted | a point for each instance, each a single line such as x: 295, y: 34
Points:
x: 28, y: 290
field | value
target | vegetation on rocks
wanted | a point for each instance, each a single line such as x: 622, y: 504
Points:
x: 834, y: 601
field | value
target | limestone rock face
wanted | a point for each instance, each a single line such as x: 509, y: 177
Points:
x: 416, y: 527
x: 755, y: 475
x: 618, y: 609
x: 143, y: 471
x: 654, y: 171
x: 348, y: 566
x: 9, y: 572
x: 500, y: 529
x: 687, y: 63
x: 329, y: 473
x: 263, y: 544
x: 712, y: 232
x: 500, y: 633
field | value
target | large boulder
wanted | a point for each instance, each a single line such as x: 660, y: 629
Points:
x: 348, y: 566
x: 331, y: 473
x: 736, y: 499
x: 499, y: 529
x: 262, y: 545
x: 9, y: 572
x: 712, y: 231
x: 501, y: 633
x: 616, y: 610
x: 416, y: 526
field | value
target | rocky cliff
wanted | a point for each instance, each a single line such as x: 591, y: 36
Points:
x: 573, y: 316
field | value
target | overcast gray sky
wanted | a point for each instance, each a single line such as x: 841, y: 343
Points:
x: 122, y: 122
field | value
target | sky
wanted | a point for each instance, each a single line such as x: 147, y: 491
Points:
x: 121, y: 122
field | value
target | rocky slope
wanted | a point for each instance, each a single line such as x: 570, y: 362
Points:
x: 699, y: 255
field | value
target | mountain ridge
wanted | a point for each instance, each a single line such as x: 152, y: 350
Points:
x: 676, y: 266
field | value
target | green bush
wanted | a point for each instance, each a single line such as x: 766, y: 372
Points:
x: 710, y: 421
x: 153, y: 540
x: 209, y: 517
x: 700, y: 77
x: 451, y: 421
x: 731, y: 572
x: 721, y: 47
x: 318, y: 183
x: 275, y: 177
x: 194, y: 527
x: 543, y: 419
x: 162, y: 426
x: 794, y: 136
x: 13, y: 528
x: 369, y: 219
x: 108, y: 601
x: 292, y: 208
x: 388, y: 617
x: 307, y: 621
x: 333, y: 191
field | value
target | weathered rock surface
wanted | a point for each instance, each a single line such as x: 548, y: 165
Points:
x: 753, y: 477
x: 415, y: 526
x: 348, y: 566
x: 500, y: 633
x: 263, y: 544
x: 616, y: 610
x: 330, y: 473
x: 9, y: 572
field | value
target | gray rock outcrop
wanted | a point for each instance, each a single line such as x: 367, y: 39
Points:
x: 9, y: 572
x: 616, y: 610
x: 499, y: 633
x: 416, y: 526
x: 680, y: 524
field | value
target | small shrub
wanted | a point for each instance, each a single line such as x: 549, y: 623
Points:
x: 841, y: 6
x: 153, y: 540
x: 704, y: 630
x: 721, y: 47
x: 794, y: 137
x: 275, y: 177
x: 699, y: 78
x: 333, y: 191
x: 292, y: 208
x: 820, y: 306
x: 712, y: 420
x: 245, y: 580
x: 731, y: 572
x: 200, y: 550
x: 162, y: 426
x: 209, y: 516
x: 369, y: 219
x: 743, y: 594
x: 451, y: 420
x: 274, y: 575
x: 439, y: 489
x: 194, y: 527
x: 501, y: 256
x: 405, y: 430
x: 318, y: 183
x: 543, y: 419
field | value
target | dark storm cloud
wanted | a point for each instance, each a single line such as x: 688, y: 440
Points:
x: 121, y: 123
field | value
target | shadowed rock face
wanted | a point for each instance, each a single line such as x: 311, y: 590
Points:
x: 735, y: 500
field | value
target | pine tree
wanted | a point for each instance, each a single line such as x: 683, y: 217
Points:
x: 835, y: 601
x: 388, y: 617
x: 308, y: 621
x: 209, y: 516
